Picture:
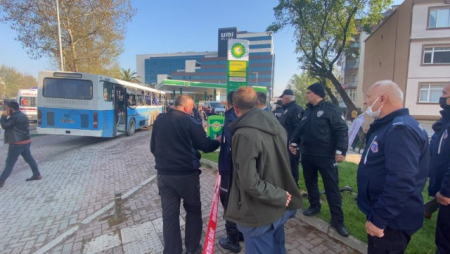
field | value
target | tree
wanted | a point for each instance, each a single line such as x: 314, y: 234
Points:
x: 11, y: 81
x: 299, y: 84
x: 324, y: 30
x: 127, y: 75
x: 92, y: 31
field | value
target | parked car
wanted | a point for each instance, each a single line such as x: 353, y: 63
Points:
x: 214, y: 107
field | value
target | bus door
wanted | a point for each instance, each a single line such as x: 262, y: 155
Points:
x: 120, y: 109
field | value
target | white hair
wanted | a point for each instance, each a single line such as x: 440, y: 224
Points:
x: 391, y: 88
x: 290, y: 97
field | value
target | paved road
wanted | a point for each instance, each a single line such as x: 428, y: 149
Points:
x: 80, y: 176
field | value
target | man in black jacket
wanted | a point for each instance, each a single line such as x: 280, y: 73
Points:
x: 290, y: 120
x: 278, y: 112
x: 176, y: 137
x: 323, y: 137
x: 17, y: 134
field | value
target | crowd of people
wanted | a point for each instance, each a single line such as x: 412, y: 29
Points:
x: 260, y: 153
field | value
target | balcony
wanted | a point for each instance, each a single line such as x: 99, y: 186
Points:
x: 351, y: 65
x: 350, y: 85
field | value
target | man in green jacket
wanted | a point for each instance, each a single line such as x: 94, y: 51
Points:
x: 263, y: 193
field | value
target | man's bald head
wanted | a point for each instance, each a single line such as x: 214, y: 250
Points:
x: 389, y: 88
x: 184, y: 103
x: 244, y: 99
x: 385, y: 96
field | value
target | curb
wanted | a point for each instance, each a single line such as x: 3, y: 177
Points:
x: 317, y: 223
x: 53, y: 243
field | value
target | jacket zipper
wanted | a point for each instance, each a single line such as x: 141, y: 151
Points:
x: 367, y: 153
x: 440, y: 142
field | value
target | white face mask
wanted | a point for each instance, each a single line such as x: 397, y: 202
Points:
x: 374, y: 114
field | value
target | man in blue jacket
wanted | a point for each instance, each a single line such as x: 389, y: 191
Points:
x: 392, y: 172
x: 231, y: 241
x: 440, y: 174
x: 176, y: 139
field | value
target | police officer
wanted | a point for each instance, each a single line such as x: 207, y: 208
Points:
x: 290, y: 120
x: 323, y: 137
x: 440, y: 173
x: 278, y: 112
x: 392, y: 172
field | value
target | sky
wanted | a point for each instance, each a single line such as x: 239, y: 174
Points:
x: 170, y: 26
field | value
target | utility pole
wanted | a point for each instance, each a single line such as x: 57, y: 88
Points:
x: 59, y: 36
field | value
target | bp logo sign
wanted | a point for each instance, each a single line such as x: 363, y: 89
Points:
x: 216, y: 126
x: 186, y: 83
x: 238, y: 50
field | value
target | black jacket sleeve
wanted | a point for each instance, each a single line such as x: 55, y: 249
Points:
x: 339, y: 130
x: 200, y: 140
x: 7, y: 123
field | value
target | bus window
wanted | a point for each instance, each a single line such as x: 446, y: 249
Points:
x: 131, y: 99
x: 108, y: 94
x: 67, y: 88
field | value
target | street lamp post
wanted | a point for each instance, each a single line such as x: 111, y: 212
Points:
x: 59, y: 36
x: 256, y: 73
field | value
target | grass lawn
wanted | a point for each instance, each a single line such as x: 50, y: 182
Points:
x: 421, y: 242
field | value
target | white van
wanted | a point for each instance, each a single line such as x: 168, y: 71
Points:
x: 27, y: 99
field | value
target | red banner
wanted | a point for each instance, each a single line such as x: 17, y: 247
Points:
x: 211, y: 230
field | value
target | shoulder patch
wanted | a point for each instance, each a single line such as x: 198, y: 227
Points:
x: 398, y: 122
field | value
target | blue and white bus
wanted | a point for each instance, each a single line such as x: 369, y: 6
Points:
x: 83, y: 104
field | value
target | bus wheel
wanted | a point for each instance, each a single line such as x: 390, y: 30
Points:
x: 131, y: 128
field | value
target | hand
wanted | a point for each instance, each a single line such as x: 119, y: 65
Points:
x: 293, y: 150
x: 289, y: 196
x: 339, y: 158
x: 219, y: 138
x: 441, y: 199
x: 373, y: 230
x: 5, y: 112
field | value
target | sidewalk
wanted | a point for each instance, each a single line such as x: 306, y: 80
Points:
x: 142, y: 230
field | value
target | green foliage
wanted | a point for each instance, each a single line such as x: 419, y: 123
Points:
x: 11, y: 81
x: 128, y: 75
x: 92, y: 31
x: 324, y: 30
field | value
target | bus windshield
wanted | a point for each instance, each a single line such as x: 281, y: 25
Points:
x: 67, y: 88
x: 217, y: 105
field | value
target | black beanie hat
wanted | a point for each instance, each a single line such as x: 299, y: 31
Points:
x: 318, y: 89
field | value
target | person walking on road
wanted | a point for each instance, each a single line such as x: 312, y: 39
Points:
x: 322, y: 139
x: 175, y: 139
x: 17, y: 134
x: 392, y: 172
x: 263, y: 194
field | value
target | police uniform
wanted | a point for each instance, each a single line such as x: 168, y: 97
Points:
x: 322, y: 133
x: 391, y: 176
x: 440, y: 179
x: 290, y: 120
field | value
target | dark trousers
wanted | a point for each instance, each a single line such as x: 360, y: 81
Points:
x: 393, y: 242
x: 443, y: 229
x: 269, y: 238
x: 295, y: 161
x: 172, y: 189
x: 230, y: 227
x: 14, y: 151
x: 329, y: 171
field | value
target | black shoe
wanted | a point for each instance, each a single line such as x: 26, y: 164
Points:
x: 342, y: 230
x: 311, y: 211
x: 226, y: 244
x: 34, y: 178
x: 197, y: 251
x: 1, y: 184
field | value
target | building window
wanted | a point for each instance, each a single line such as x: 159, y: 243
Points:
x: 430, y: 93
x: 439, y: 18
x: 352, y: 94
x: 436, y: 55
